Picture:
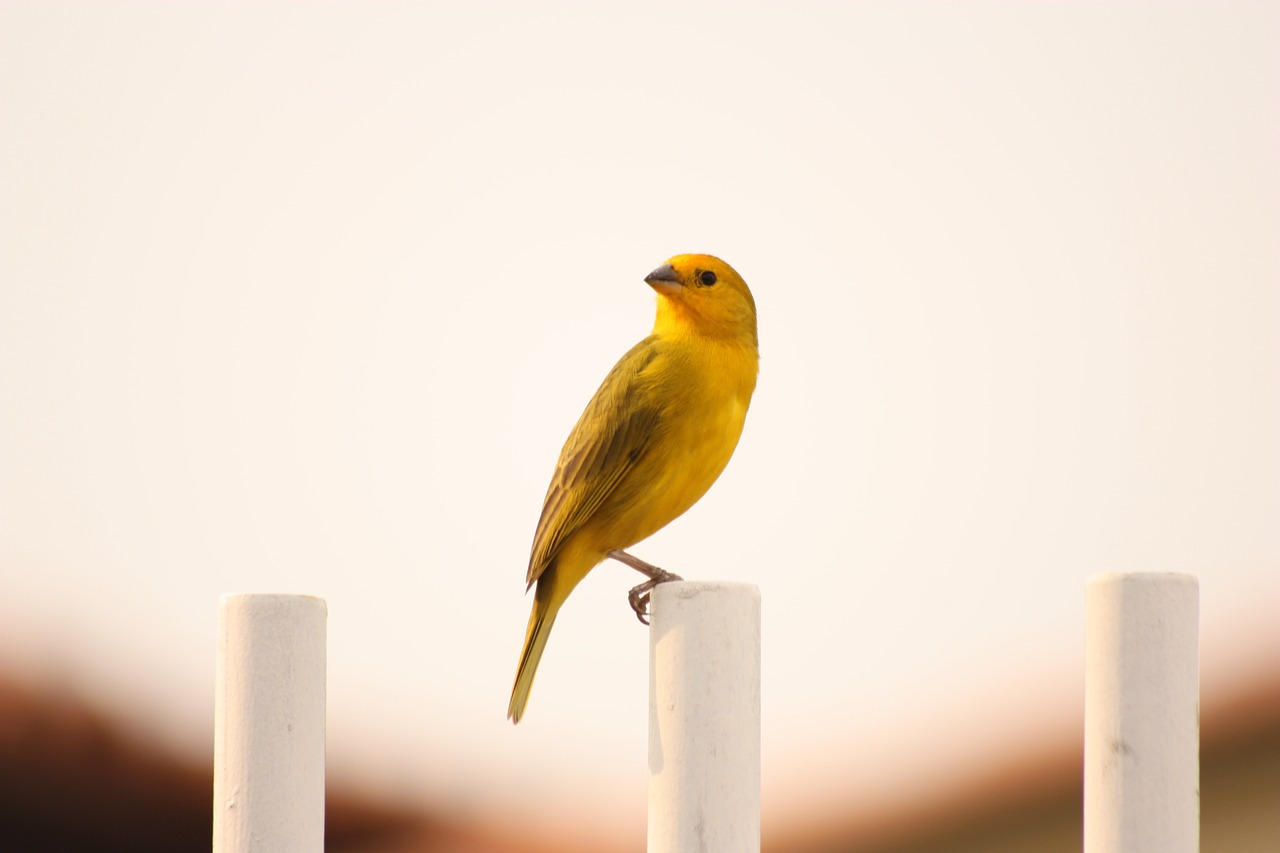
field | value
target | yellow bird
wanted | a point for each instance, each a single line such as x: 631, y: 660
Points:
x: 653, y: 439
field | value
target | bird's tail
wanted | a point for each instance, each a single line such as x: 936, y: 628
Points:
x: 545, y: 608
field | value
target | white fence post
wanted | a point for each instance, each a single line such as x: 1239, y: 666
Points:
x: 704, y: 718
x: 269, y: 725
x: 1142, y: 714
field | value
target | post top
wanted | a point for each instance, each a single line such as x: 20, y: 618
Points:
x: 1167, y: 579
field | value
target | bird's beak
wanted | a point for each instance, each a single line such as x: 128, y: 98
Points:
x: 664, y: 279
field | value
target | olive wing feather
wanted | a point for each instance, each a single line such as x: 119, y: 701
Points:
x: 604, y: 446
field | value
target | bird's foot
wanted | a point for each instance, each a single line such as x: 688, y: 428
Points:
x: 638, y: 597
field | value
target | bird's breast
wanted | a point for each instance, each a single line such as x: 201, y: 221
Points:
x: 703, y: 397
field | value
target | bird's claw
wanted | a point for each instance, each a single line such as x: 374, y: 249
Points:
x: 639, y: 596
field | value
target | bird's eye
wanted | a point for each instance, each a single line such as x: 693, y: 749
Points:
x: 707, y: 277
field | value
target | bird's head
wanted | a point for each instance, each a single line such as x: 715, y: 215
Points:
x: 703, y: 295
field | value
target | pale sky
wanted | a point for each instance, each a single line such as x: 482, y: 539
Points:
x: 306, y: 297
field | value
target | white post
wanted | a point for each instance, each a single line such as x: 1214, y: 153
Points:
x: 269, y: 725
x: 1142, y: 714
x: 704, y: 718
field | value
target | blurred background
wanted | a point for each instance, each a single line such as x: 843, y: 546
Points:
x: 305, y: 297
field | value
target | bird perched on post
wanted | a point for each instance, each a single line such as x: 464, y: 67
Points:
x: 653, y: 439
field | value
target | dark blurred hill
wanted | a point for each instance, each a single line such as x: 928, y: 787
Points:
x: 72, y: 781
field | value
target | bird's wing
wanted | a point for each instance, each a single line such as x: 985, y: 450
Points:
x: 606, y: 443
